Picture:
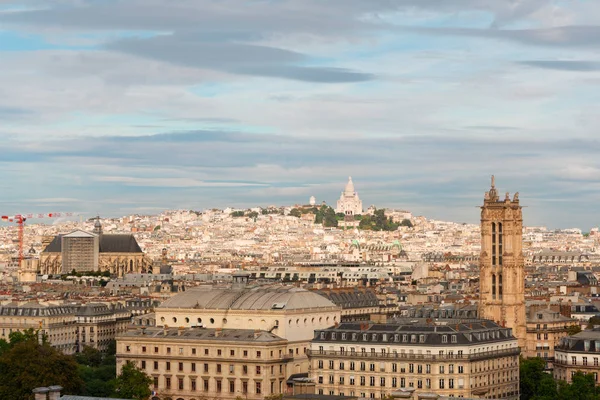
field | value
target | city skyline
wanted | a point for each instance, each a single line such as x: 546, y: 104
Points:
x: 138, y: 106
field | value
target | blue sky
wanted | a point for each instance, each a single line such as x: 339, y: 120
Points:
x: 136, y: 106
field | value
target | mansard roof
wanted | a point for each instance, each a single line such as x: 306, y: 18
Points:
x: 418, y: 332
x: 109, y: 243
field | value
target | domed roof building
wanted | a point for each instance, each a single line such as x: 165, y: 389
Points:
x: 290, y: 312
x: 349, y: 202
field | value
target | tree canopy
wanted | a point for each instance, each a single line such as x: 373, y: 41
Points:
x: 537, y: 384
x: 378, y: 222
x: 133, y: 383
x: 26, y: 364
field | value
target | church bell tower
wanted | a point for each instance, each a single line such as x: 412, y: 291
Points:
x: 501, y: 266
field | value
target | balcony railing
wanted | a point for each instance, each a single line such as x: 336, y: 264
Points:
x: 515, y: 351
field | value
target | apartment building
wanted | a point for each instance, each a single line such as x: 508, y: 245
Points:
x: 580, y: 352
x: 193, y: 363
x: 449, y: 358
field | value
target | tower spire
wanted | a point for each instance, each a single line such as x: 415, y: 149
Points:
x: 493, y: 182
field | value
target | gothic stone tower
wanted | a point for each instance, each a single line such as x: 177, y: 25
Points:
x: 502, y: 279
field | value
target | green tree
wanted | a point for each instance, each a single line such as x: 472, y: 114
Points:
x: 295, y: 213
x: 573, y: 329
x: 406, y: 222
x: 133, y: 383
x: 252, y: 214
x: 532, y: 378
x: 89, y: 356
x: 28, y: 364
x: 236, y: 214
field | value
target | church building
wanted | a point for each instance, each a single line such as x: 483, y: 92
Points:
x: 502, y: 277
x: 349, y: 203
x: 93, y: 251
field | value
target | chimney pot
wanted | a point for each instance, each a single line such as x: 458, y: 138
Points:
x: 54, y: 392
x: 41, y: 393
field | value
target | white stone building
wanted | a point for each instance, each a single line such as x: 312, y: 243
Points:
x: 349, y: 202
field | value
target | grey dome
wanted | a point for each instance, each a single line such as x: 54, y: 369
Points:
x: 254, y: 298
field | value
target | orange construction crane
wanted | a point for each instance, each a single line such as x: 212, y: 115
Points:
x: 20, y: 220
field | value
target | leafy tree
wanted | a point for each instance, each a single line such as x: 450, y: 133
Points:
x: 531, y: 377
x: 406, y: 222
x: 573, y: 329
x: 89, y: 356
x: 236, y: 214
x: 593, y: 321
x: 326, y: 216
x: 252, y: 214
x: 133, y: 383
x: 295, y: 213
x: 378, y: 222
x: 28, y: 364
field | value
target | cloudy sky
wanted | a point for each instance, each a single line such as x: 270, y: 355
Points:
x: 136, y: 106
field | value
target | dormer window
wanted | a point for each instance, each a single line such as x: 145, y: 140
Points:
x: 322, y: 335
x: 365, y: 337
x: 396, y: 337
x: 421, y: 338
x: 332, y: 335
x: 444, y: 339
x: 354, y: 336
x: 405, y: 338
x: 413, y: 338
x: 453, y: 338
x: 384, y: 337
x: 343, y: 336
x: 374, y: 337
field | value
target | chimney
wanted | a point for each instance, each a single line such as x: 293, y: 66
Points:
x: 54, y: 392
x: 218, y: 332
x: 41, y: 393
x: 165, y: 330
x: 256, y: 333
x: 180, y: 331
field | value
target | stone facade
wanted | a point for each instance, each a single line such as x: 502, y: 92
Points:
x: 452, y: 358
x: 502, y: 277
x: 349, y: 202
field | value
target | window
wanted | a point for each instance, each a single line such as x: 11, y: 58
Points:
x: 155, y: 364
x: 258, y: 370
x: 584, y: 360
x: 143, y: 364
x: 155, y: 382
x: 428, y: 368
x: 168, y: 366
x: 193, y: 351
x: 156, y: 349
x: 232, y: 353
x: 341, y: 380
x: 193, y: 367
x: 168, y: 350
x: 258, y: 354
x: 451, y: 383
x: 394, y: 367
x: 331, y: 379
x: 402, y: 382
x: 574, y: 360
x: 419, y: 369
x: 441, y: 369
x: 362, y: 381
x: 219, y: 385
x: 394, y: 382
x: 245, y: 353
x: 218, y: 352
x: 441, y: 383
x: 205, y: 352
x: 372, y: 381
x: 411, y: 368
x: 128, y: 348
x: 258, y: 388
x: 168, y: 383
x: 320, y: 364
x: 193, y: 385
x: 352, y: 365
x: 205, y: 367
x: 461, y: 369
x: 320, y: 380
x: 341, y: 366
x: 451, y: 368
x: 180, y: 366
x: 143, y: 349
x: 231, y: 386
x: 181, y: 350
x: 382, y: 381
x: 245, y: 369
x: 180, y: 383
x: 218, y: 368
x: 428, y: 383
x: 330, y: 364
x: 205, y: 385
x: 352, y: 380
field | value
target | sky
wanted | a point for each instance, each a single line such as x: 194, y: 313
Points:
x: 115, y: 107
